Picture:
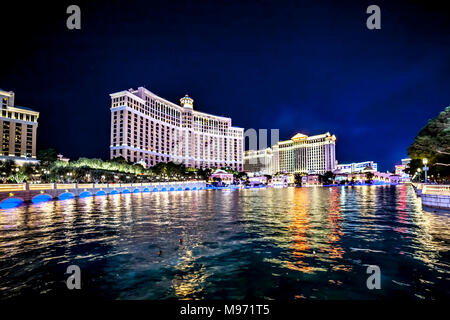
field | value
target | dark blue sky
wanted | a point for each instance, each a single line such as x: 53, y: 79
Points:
x: 300, y: 66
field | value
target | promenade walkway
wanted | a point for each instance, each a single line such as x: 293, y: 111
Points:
x: 433, y: 195
x: 12, y: 195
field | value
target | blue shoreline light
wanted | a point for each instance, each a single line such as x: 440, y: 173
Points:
x: 66, y: 195
x: 41, y: 198
x: 15, y: 202
x: 10, y: 203
x: 85, y: 194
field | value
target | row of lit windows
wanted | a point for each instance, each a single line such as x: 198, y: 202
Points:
x: 169, y: 115
x: 18, y: 116
x: 151, y: 160
x: 18, y: 136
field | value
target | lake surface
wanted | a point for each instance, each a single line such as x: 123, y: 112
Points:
x: 292, y: 243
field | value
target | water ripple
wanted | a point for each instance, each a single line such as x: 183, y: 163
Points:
x: 295, y: 243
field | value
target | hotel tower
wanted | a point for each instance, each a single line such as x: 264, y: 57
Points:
x: 300, y: 154
x: 149, y: 129
x: 18, y: 126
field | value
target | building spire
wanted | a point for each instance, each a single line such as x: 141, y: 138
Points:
x: 187, y: 102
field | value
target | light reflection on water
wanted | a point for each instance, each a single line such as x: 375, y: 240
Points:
x: 294, y: 243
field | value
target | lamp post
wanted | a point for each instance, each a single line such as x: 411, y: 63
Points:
x: 425, y: 168
x: 418, y: 170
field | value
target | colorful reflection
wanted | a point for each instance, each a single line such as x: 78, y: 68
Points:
x: 219, y: 244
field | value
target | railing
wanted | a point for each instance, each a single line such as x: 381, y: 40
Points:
x: 12, y: 187
x: 62, y: 186
x: 85, y: 185
x: 45, y: 186
x: 431, y: 189
x: 66, y: 186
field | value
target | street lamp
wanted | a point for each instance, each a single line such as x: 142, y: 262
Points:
x: 418, y: 170
x: 425, y: 168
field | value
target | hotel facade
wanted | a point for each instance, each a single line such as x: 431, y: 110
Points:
x: 18, y: 126
x: 149, y: 129
x: 357, y: 167
x: 259, y: 162
x: 300, y: 154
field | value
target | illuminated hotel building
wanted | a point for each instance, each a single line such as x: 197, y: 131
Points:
x: 306, y: 154
x: 358, y: 167
x: 259, y: 161
x: 18, y: 126
x: 300, y: 154
x: 150, y: 129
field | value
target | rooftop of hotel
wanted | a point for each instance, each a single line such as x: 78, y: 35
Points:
x: 136, y: 95
x: 5, y: 91
x: 11, y: 93
x: 24, y: 108
x: 300, y: 136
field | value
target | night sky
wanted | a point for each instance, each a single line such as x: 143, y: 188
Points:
x: 300, y: 66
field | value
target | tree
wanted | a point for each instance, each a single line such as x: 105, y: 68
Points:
x: 29, y: 170
x: 328, y: 177
x: 47, y: 156
x: 6, y: 167
x: 369, y: 177
x: 120, y: 160
x: 204, y: 173
x: 298, y: 179
x: 18, y: 177
x: 433, y: 142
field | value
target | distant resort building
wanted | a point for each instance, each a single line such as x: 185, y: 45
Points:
x: 62, y: 158
x: 257, y: 180
x: 301, y: 154
x: 356, y: 167
x: 280, y: 180
x: 18, y: 126
x: 222, y: 177
x: 400, y: 170
x: 362, y: 177
x: 311, y: 180
x: 406, y: 161
x: 259, y: 162
x: 148, y: 128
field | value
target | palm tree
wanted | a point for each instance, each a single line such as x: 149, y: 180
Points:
x: 18, y: 177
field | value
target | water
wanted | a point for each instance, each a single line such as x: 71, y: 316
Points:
x: 293, y: 243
